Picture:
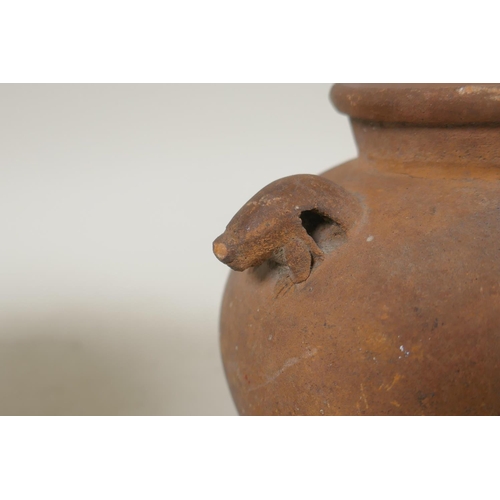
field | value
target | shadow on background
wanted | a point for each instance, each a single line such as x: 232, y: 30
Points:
x: 49, y: 375
x: 110, y: 363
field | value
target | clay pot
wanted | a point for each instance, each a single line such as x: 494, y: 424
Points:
x: 375, y: 288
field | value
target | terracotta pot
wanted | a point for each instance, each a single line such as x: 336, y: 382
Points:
x: 375, y: 288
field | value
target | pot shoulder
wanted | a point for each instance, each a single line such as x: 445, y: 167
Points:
x: 401, y: 317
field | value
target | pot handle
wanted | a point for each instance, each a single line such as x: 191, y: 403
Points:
x: 279, y: 223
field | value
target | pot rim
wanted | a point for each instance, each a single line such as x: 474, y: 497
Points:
x: 430, y: 104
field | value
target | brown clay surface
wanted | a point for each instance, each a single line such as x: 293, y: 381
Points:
x: 442, y: 104
x: 403, y: 316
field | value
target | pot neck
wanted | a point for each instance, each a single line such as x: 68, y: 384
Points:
x: 407, y: 143
x: 449, y: 124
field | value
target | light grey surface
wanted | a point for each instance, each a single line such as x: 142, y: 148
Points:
x: 110, y: 197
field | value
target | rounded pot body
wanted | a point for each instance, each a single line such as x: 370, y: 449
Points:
x: 401, y: 315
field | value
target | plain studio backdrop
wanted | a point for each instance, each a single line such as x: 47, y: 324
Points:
x: 110, y: 198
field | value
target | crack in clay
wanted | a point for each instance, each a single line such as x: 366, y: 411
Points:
x: 288, y: 363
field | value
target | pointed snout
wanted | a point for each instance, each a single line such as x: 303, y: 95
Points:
x: 221, y: 250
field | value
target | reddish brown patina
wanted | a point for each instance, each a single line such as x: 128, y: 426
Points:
x: 375, y: 288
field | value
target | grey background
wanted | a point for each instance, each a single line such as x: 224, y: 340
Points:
x: 110, y: 197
